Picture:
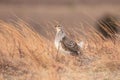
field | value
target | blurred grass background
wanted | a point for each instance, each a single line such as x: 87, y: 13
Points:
x: 27, y: 34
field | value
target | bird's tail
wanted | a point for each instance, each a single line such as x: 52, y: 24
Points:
x: 80, y: 44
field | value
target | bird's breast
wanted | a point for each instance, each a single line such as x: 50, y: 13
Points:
x: 58, y: 38
x: 57, y: 44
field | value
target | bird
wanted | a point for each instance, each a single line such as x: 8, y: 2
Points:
x: 64, y: 44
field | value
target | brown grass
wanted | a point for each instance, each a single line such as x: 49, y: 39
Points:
x: 26, y: 55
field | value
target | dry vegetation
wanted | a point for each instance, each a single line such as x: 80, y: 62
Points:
x: 25, y: 54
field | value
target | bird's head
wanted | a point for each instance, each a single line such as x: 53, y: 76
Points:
x: 58, y: 28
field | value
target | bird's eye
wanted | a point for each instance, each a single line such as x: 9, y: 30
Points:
x: 58, y: 26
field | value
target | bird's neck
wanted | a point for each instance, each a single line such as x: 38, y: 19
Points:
x: 58, y: 30
x: 60, y: 34
x: 61, y: 31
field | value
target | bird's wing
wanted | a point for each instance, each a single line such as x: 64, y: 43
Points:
x: 69, y: 45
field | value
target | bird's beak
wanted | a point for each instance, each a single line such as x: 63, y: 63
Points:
x: 55, y: 26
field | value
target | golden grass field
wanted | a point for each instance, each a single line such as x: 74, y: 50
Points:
x: 27, y: 49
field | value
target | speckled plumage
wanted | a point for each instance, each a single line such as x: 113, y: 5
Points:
x: 64, y: 44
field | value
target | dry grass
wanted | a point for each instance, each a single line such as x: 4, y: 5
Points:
x: 26, y: 55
